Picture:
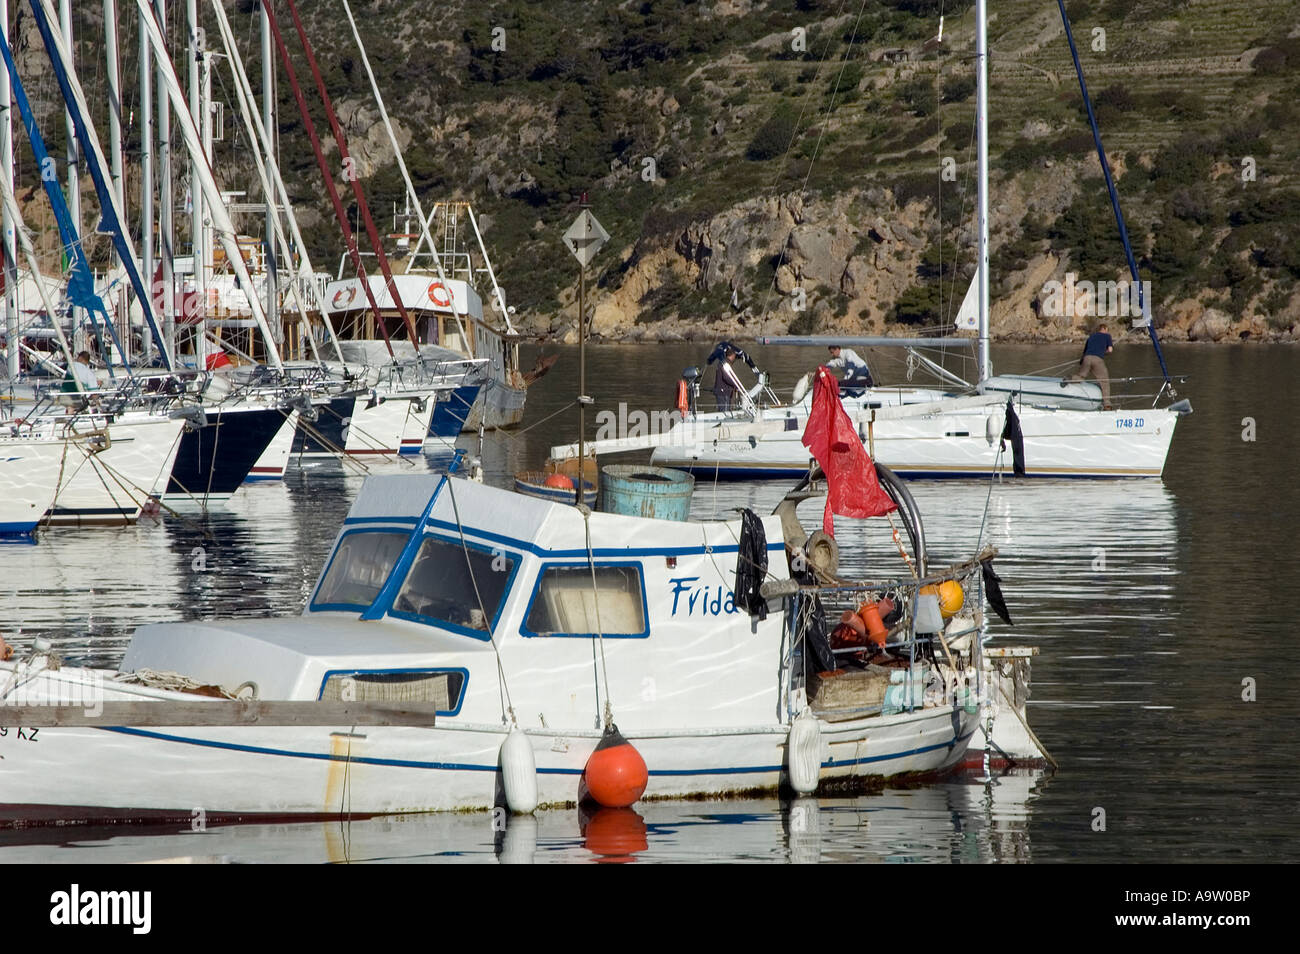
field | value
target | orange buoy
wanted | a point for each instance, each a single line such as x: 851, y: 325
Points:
x: 558, y: 480
x: 615, y: 776
x: 951, y: 597
x: 683, y: 398
x: 869, y: 613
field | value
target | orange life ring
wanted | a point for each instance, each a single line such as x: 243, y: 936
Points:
x: 436, y: 286
x: 344, y: 297
x: 683, y: 398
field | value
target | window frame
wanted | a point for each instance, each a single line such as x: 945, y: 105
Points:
x: 635, y: 565
x: 316, y: 607
x: 482, y: 635
x: 423, y: 670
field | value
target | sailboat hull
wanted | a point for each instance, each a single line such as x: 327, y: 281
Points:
x: 215, y: 460
x: 953, y: 444
x: 110, y: 486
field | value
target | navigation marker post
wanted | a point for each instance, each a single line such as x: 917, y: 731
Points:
x: 584, y: 238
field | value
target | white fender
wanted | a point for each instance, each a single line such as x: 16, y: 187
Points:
x: 803, y: 753
x: 519, y: 772
x: 992, y: 429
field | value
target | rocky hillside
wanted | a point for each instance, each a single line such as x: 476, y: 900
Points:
x: 801, y: 166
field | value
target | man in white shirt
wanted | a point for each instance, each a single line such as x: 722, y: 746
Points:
x: 80, y: 376
x: 857, y: 377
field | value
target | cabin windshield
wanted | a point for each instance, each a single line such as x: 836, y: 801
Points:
x: 447, y: 582
x: 359, y: 568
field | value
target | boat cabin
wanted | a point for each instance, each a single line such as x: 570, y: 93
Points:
x: 440, y: 588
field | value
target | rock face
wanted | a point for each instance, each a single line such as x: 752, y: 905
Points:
x: 1212, y: 325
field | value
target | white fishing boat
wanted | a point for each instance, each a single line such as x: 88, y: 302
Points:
x: 437, y: 289
x: 528, y: 625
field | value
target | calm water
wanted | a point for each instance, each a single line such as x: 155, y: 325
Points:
x: 1137, y: 691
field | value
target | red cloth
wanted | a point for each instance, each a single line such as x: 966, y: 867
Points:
x: 852, y: 489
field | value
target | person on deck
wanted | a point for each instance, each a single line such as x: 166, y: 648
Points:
x: 857, y: 376
x: 725, y: 382
x: 1099, y: 345
x: 80, y: 376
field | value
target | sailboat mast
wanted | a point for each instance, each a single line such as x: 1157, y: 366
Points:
x: 116, y: 179
x: 221, y: 223
x: 73, y: 160
x: 146, y: 179
x: 8, y: 226
x: 268, y: 123
x: 166, y: 226
x: 264, y: 155
x: 198, y: 234
x: 982, y: 363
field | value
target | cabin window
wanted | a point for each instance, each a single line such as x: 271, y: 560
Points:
x: 566, y: 601
x: 450, y: 583
x: 359, y: 568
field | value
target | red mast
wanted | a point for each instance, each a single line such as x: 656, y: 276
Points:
x: 355, y: 180
x: 348, y: 238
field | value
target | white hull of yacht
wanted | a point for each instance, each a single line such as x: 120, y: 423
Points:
x: 29, y: 478
x: 950, y: 444
x: 110, y: 486
x: 84, y: 774
x: 275, y: 459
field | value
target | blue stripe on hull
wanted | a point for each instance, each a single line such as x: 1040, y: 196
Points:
x: 472, y: 767
x: 449, y: 415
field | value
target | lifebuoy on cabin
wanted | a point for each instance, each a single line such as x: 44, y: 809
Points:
x: 442, y: 300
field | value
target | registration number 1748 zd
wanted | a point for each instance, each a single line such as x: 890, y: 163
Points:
x: 1125, y: 422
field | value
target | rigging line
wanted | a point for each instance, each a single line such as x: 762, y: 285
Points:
x: 487, y: 620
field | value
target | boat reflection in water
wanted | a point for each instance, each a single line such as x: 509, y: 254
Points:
x: 962, y: 820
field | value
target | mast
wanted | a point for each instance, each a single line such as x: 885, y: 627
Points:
x: 81, y: 283
x: 268, y: 122
x: 349, y: 239
x: 261, y: 142
x: 74, y: 164
x: 983, y: 367
x: 115, y: 134
x: 166, y: 206
x: 146, y: 182
x: 9, y: 225
x: 220, y: 217
x: 198, y: 236
x: 355, y: 179
x: 244, y: 90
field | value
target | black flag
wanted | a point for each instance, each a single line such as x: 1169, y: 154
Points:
x: 1011, y: 430
x: 993, y: 591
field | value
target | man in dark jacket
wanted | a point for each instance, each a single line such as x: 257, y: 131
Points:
x: 1099, y: 345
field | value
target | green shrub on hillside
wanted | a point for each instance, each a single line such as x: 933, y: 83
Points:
x: 773, y: 137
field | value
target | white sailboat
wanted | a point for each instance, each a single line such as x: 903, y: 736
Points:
x: 933, y: 432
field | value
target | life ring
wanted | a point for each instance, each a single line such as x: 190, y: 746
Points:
x: 439, y: 286
x: 344, y: 297
x: 683, y: 398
